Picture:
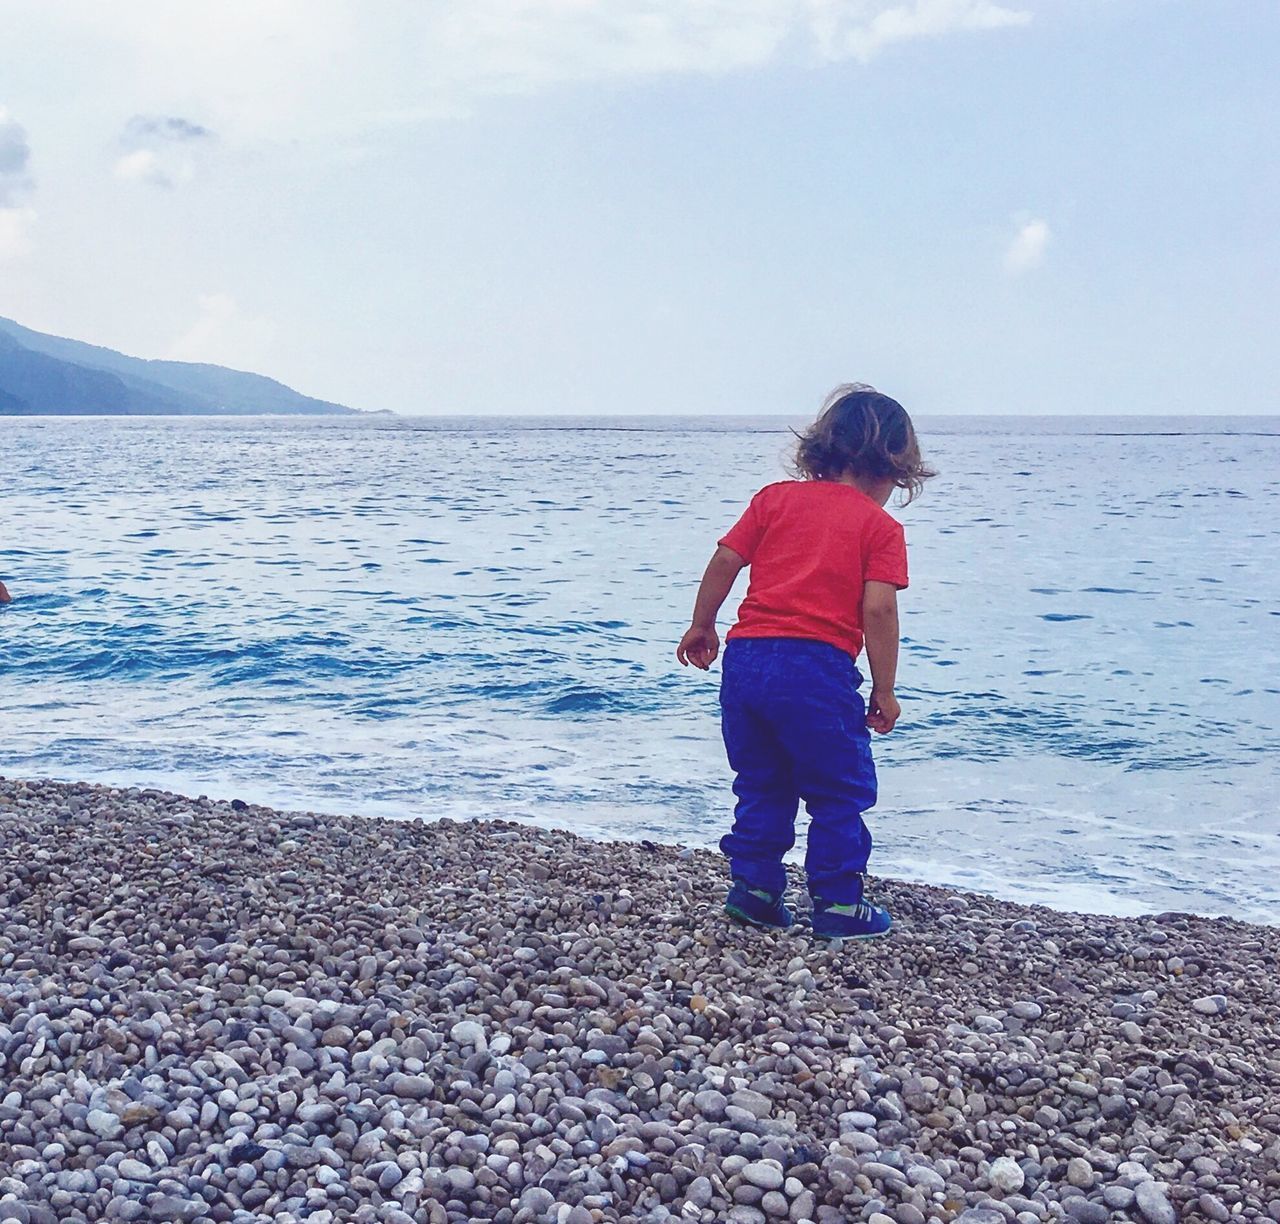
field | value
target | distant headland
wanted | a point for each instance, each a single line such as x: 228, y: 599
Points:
x: 43, y: 375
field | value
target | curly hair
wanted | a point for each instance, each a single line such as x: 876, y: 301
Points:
x: 862, y: 433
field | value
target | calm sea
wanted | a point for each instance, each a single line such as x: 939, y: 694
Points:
x: 477, y: 617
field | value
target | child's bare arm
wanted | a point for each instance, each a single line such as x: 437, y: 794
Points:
x: 701, y: 644
x: 880, y: 632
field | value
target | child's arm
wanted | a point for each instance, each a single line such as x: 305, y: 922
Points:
x: 701, y: 644
x: 880, y: 633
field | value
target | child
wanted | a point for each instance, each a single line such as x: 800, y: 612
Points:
x: 827, y: 563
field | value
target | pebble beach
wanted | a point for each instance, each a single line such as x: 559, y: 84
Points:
x: 211, y: 1011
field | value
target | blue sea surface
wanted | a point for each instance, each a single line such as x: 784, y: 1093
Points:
x: 430, y: 617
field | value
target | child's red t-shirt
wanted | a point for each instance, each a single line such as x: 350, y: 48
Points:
x: 811, y: 545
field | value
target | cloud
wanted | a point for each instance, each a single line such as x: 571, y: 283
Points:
x: 15, y: 226
x: 142, y: 166
x: 521, y: 46
x: 15, y: 157
x: 160, y: 150
x: 143, y: 130
x: 222, y: 334
x: 297, y: 69
x: 863, y: 31
x: 1026, y: 250
x: 16, y: 184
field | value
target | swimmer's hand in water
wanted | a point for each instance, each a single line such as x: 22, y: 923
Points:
x: 5, y: 597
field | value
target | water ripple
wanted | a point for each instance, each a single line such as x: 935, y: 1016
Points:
x: 410, y: 617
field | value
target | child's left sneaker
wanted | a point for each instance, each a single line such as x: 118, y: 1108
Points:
x: 756, y: 907
x: 859, y: 921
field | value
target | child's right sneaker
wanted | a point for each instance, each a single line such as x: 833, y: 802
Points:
x: 860, y: 921
x: 756, y: 907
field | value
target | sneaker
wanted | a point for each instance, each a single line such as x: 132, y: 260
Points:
x: 756, y: 907
x: 860, y: 921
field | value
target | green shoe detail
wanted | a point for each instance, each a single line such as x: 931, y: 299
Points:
x: 757, y: 907
x: 858, y: 921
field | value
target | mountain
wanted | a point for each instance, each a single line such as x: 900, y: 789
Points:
x: 10, y: 405
x: 44, y: 375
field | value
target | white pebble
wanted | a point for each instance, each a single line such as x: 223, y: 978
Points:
x: 1006, y: 1176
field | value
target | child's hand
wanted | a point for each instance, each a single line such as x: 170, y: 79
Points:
x: 699, y: 647
x: 883, y: 711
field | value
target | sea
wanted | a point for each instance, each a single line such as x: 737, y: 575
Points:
x: 449, y: 617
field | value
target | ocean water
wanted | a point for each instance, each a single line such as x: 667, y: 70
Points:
x: 478, y: 617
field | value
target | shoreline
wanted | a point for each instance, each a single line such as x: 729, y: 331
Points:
x: 222, y: 1012
x: 889, y: 861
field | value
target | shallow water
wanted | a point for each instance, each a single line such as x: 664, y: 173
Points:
x: 418, y: 617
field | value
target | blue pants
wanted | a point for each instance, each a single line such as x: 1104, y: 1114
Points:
x: 795, y: 728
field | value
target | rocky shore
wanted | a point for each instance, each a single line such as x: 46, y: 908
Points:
x: 212, y: 1011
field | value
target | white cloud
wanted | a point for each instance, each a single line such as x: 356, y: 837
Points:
x: 863, y: 31
x: 161, y: 150
x: 518, y: 46
x: 142, y: 166
x: 222, y: 334
x: 16, y: 219
x: 1026, y: 250
x: 15, y: 156
x: 293, y: 68
x: 15, y: 225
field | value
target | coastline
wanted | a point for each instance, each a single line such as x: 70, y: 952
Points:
x: 224, y: 1012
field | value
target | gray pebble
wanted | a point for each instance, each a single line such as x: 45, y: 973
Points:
x: 1080, y: 1173
x: 1086, y: 1211
x: 711, y: 1104
x: 765, y: 1174
x: 1152, y: 1201
x: 1210, y: 1005
x: 699, y: 1192
x: 774, y: 1204
x: 1214, y: 1208
x: 755, y: 1103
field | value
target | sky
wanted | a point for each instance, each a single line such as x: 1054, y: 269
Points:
x: 658, y: 206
